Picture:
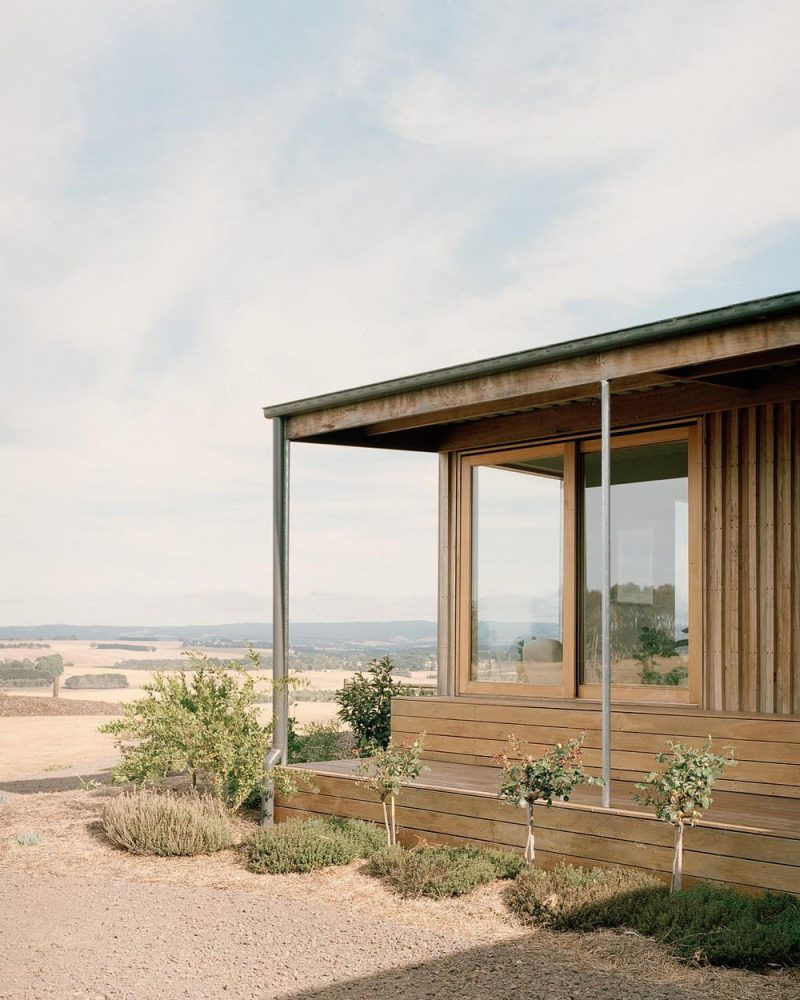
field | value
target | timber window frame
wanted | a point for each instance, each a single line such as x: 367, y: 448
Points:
x: 573, y: 561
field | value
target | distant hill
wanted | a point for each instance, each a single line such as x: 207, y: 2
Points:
x: 416, y: 632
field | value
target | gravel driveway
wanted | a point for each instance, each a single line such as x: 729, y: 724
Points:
x: 67, y: 937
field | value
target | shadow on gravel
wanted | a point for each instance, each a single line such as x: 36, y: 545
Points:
x: 64, y: 783
x: 511, y: 970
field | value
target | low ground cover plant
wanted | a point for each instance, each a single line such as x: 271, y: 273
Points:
x: 97, y: 681
x: 561, y: 897
x: 386, y: 771
x: 300, y: 845
x: 526, y: 780
x: 167, y: 825
x: 705, y: 922
x: 442, y: 871
x: 682, y: 791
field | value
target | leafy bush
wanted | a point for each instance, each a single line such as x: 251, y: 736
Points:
x: 525, y: 779
x: 306, y: 845
x: 167, y: 825
x: 365, y: 704
x: 385, y: 773
x: 96, y: 681
x: 705, y: 922
x: 442, y: 871
x: 560, y: 898
x: 682, y: 791
x: 204, y: 724
x: 317, y: 741
x: 28, y: 838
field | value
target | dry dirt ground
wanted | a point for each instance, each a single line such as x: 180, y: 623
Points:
x: 79, y: 918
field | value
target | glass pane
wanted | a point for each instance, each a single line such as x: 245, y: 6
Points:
x: 516, y: 571
x: 649, y: 566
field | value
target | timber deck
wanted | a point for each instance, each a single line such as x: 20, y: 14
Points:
x: 750, y: 841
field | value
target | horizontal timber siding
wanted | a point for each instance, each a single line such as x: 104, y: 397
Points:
x: 434, y: 810
x: 752, y: 559
x: 471, y: 731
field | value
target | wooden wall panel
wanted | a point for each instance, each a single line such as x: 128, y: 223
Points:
x: 752, y: 559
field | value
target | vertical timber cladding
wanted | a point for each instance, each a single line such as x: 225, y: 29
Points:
x: 752, y: 559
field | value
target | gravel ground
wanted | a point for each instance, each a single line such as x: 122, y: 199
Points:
x: 80, y: 918
x: 117, y: 939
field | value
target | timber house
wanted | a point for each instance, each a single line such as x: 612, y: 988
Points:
x: 619, y: 553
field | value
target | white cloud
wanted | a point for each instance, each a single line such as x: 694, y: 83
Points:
x: 306, y: 223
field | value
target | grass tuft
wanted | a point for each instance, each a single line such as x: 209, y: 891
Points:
x: 300, y: 845
x: 167, y: 825
x: 705, y: 922
x: 438, y: 872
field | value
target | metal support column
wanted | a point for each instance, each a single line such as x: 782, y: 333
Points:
x: 280, y: 585
x: 280, y: 615
x: 605, y: 548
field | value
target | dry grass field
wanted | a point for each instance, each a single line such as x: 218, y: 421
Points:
x: 30, y: 744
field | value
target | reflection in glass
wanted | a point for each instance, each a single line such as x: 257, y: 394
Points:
x: 517, y: 531
x: 649, y: 565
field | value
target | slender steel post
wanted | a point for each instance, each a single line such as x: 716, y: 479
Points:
x: 605, y: 548
x: 280, y: 585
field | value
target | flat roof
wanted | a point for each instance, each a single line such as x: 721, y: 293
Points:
x: 771, y: 307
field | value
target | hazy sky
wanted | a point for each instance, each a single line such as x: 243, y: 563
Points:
x: 208, y: 207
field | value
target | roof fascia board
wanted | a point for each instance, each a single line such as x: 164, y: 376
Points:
x: 727, y: 316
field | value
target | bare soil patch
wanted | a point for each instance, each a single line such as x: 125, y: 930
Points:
x: 19, y: 704
x: 393, y: 947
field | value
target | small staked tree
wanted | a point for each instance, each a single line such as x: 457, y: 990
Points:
x: 526, y: 780
x: 682, y: 790
x: 385, y: 772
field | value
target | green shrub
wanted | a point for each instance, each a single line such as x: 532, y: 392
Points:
x: 28, y: 838
x: 204, y: 724
x: 96, y: 681
x: 560, y: 898
x: 167, y: 825
x: 442, y: 871
x: 306, y: 845
x: 705, y: 922
x: 317, y: 741
x: 365, y: 704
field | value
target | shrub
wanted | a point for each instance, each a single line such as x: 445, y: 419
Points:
x: 385, y: 772
x: 204, y: 724
x: 725, y: 927
x: 705, y: 922
x: 365, y: 704
x: 560, y: 898
x: 317, y: 741
x: 525, y: 779
x: 442, y: 871
x: 682, y: 791
x: 96, y: 681
x: 306, y: 845
x: 167, y: 825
